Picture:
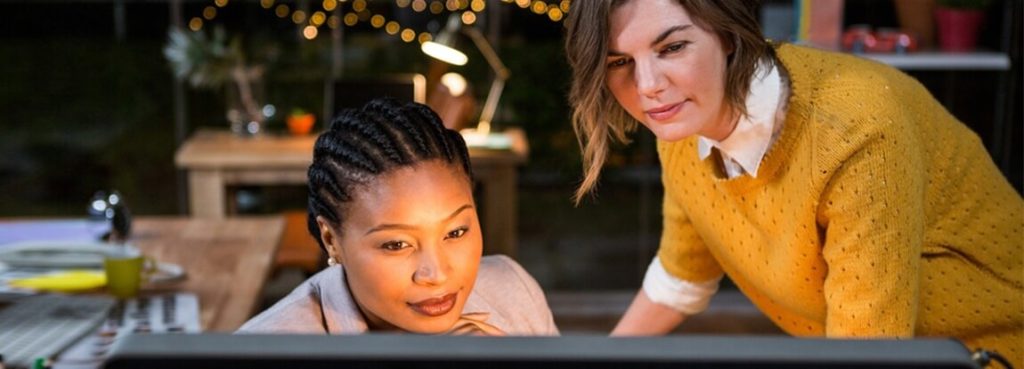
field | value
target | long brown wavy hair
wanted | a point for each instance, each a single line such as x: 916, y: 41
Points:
x: 598, y: 118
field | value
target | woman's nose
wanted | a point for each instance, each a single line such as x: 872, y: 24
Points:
x: 432, y: 268
x: 649, y: 79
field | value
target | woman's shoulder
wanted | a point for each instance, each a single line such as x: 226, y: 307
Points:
x: 851, y: 96
x: 499, y: 275
x: 320, y: 304
x: 298, y: 312
x: 508, y: 290
x: 825, y: 76
x: 500, y: 266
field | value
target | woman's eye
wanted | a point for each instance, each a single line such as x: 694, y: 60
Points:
x: 456, y: 233
x: 674, y: 47
x: 618, y: 63
x: 394, y: 245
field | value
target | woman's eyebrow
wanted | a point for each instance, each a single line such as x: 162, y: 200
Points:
x: 412, y: 227
x: 661, y: 37
x: 457, y: 211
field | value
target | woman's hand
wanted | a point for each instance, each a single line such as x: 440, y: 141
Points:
x: 647, y: 318
x: 474, y: 324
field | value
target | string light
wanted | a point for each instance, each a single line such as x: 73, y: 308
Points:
x: 351, y: 19
x: 419, y: 5
x: 298, y: 17
x: 555, y: 14
x: 209, y: 12
x: 281, y: 11
x: 436, y: 7
x: 360, y: 13
x: 329, y: 5
x: 377, y: 21
x: 478, y: 5
x: 539, y: 7
x: 318, y: 18
x: 468, y: 17
x: 425, y: 36
x: 392, y: 27
x: 359, y: 5
x: 408, y: 35
x: 309, y: 32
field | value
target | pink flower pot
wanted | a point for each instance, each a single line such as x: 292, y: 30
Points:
x: 958, y: 28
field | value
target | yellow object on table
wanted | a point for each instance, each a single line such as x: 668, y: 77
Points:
x: 66, y: 281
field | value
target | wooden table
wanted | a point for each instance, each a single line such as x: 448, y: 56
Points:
x: 226, y: 261
x: 217, y: 160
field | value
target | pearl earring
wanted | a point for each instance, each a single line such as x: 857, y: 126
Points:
x: 331, y: 261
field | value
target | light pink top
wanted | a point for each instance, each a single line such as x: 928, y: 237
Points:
x: 322, y: 304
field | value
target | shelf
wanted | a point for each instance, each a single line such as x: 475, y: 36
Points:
x: 993, y: 61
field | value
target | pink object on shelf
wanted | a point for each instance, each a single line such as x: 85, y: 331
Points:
x: 860, y: 39
x: 958, y: 28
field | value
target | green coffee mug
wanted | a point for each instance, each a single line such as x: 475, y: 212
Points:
x: 126, y: 269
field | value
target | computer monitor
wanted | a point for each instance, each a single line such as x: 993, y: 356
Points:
x: 416, y: 352
x: 356, y: 92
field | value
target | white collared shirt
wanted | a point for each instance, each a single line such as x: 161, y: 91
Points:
x: 744, y: 148
x: 742, y: 152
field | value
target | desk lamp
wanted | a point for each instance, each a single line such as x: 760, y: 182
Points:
x: 443, y: 48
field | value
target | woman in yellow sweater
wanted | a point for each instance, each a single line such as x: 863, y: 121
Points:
x: 836, y: 193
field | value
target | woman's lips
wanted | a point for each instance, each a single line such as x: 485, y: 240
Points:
x: 664, y: 112
x: 435, y: 306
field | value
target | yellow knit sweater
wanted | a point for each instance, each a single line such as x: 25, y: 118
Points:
x: 875, y: 214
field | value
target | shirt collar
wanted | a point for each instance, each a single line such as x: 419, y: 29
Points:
x: 749, y: 141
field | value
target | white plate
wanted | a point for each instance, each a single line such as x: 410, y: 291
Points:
x: 55, y: 254
x: 68, y: 255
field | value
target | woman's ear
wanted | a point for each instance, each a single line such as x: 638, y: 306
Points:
x: 330, y: 239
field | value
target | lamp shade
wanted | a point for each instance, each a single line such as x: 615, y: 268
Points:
x: 443, y: 49
x: 444, y: 53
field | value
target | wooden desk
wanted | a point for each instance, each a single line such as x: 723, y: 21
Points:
x: 216, y: 160
x: 227, y: 261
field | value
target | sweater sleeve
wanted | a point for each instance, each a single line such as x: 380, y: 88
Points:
x: 682, y: 252
x: 872, y: 215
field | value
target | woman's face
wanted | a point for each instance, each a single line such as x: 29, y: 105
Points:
x: 666, y: 72
x: 410, y: 246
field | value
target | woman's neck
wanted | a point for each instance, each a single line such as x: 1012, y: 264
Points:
x: 727, y: 124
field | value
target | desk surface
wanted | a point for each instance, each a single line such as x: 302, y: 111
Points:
x: 227, y: 261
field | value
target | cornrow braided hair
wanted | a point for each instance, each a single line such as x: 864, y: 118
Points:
x: 365, y: 143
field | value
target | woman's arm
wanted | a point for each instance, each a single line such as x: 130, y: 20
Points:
x: 872, y: 212
x: 647, y: 318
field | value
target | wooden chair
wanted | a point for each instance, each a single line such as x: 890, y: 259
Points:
x: 298, y: 249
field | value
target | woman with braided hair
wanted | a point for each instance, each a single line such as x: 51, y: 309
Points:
x: 391, y: 202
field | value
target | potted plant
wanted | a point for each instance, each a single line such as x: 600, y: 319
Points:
x: 300, y: 122
x: 215, y: 62
x: 959, y: 22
